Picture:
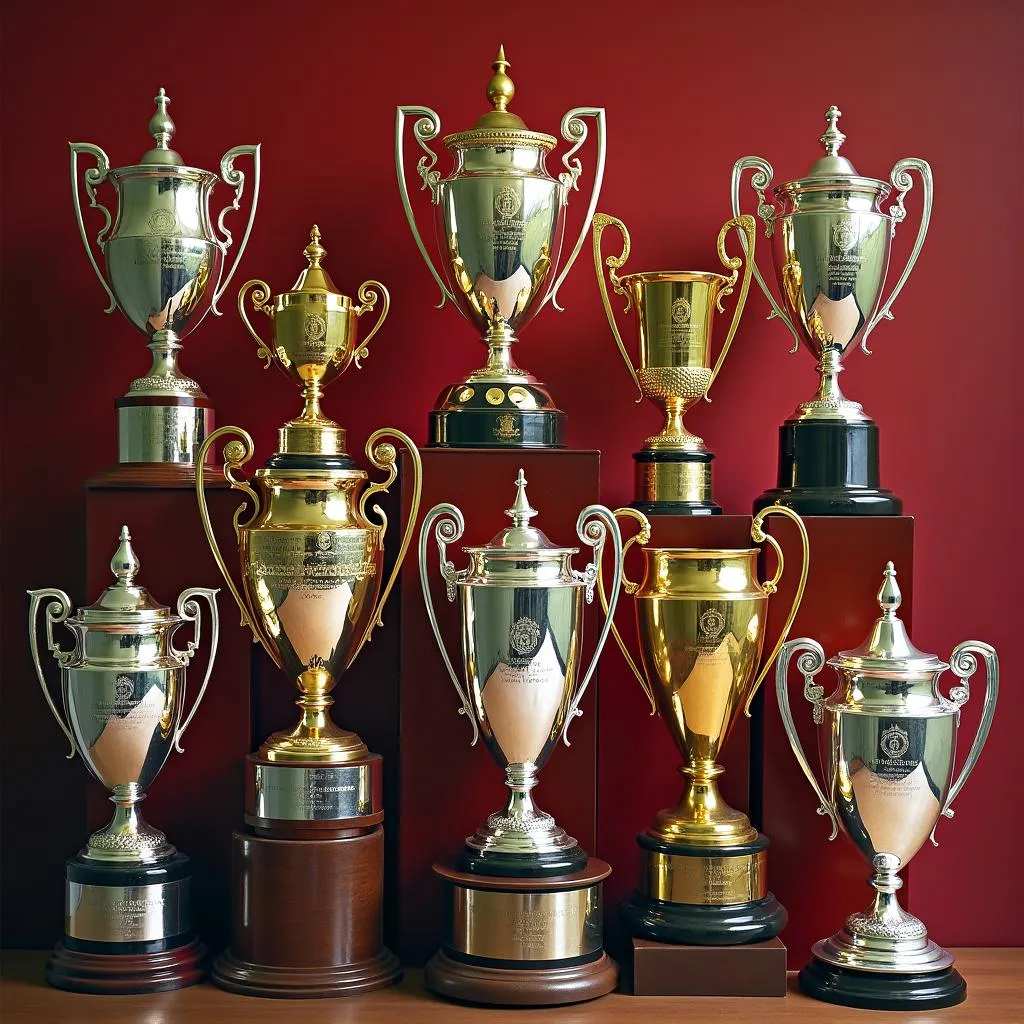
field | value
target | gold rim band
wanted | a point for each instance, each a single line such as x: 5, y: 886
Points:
x: 704, y: 881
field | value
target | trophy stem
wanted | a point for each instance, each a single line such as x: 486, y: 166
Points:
x: 499, y: 340
x: 316, y: 738
x: 520, y: 779
x: 830, y: 403
x: 127, y: 837
x: 164, y: 377
x: 702, y: 816
x: 674, y: 434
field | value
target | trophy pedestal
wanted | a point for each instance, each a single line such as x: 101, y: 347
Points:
x: 674, y: 483
x: 522, y: 941
x: 879, y: 990
x: 830, y: 468
x: 166, y: 430
x: 525, y: 865
x: 703, y: 895
x: 127, y: 929
x: 663, y: 969
x: 479, y: 414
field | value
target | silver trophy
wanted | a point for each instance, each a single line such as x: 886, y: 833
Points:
x: 887, y: 737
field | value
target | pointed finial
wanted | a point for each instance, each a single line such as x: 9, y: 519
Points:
x: 500, y: 89
x: 125, y: 563
x: 521, y: 512
x: 833, y: 137
x: 889, y: 596
x: 314, y: 252
x: 161, y: 127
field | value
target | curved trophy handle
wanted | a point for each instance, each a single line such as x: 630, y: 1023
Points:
x: 231, y: 175
x: 260, y: 301
x: 810, y: 664
x: 747, y: 228
x: 57, y: 611
x: 450, y: 527
x: 902, y: 182
x: 614, y: 264
x: 93, y: 177
x: 760, y: 537
x: 574, y: 130
x: 642, y: 536
x: 427, y: 127
x: 368, y: 294
x: 384, y: 455
x: 236, y: 454
x: 964, y: 664
x: 760, y: 180
x: 593, y: 525
x: 190, y: 611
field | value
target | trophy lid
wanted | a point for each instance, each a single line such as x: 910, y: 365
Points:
x: 832, y: 164
x: 499, y: 126
x: 161, y: 127
x: 888, y: 649
x: 314, y: 278
x: 124, y: 602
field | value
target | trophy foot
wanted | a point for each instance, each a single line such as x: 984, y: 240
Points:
x: 674, y: 483
x: 522, y: 865
x: 125, y: 973
x: 333, y: 746
x: 734, y: 924
x: 496, y: 415
x: 882, y: 990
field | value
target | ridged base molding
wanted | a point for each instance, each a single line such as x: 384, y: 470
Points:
x: 549, y: 986
x: 731, y: 925
x: 883, y: 991
x: 247, y: 979
x: 127, y: 974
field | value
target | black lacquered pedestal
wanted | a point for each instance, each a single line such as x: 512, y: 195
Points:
x: 882, y: 991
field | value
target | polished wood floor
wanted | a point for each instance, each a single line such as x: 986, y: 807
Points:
x: 995, y: 995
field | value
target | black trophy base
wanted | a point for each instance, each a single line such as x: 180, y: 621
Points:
x: 496, y: 414
x: 734, y: 924
x: 522, y: 865
x: 830, y: 468
x: 872, y: 990
x: 674, y: 483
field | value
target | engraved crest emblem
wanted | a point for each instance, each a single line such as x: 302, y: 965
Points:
x: 162, y: 222
x: 523, y: 635
x: 844, y: 234
x: 680, y: 312
x: 506, y: 428
x: 712, y: 622
x: 124, y: 689
x: 507, y: 201
x: 894, y: 742
x: 324, y: 540
x: 314, y: 327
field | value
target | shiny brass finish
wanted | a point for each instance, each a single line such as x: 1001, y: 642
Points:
x: 673, y: 481
x: 704, y: 881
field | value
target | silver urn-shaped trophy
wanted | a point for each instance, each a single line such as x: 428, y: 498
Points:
x: 887, y: 739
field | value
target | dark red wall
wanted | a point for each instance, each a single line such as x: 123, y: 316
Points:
x: 688, y: 88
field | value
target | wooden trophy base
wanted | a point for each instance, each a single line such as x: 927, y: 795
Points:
x: 126, y: 973
x: 662, y: 969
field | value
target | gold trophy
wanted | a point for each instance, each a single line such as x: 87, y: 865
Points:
x: 312, y: 554
x: 675, y: 312
x: 701, y: 617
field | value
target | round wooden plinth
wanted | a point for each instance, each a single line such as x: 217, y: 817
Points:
x: 126, y: 974
x: 306, y: 982
x: 549, y: 986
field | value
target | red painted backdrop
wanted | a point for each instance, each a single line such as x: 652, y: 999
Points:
x: 688, y: 88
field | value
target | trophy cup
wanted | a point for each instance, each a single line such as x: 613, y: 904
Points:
x: 830, y: 244
x: 675, y: 312
x: 312, y: 558
x: 701, y: 615
x: 166, y: 271
x: 887, y: 739
x: 500, y: 218
x: 127, y: 922
x: 523, y: 917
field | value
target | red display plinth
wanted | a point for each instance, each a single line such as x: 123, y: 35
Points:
x: 821, y: 883
x: 197, y: 797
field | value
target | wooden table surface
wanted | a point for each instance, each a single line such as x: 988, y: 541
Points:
x: 995, y: 995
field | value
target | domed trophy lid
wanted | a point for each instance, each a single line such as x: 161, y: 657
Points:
x: 832, y: 165
x: 161, y: 127
x: 888, y: 649
x: 499, y: 126
x: 314, y: 279
x: 125, y: 603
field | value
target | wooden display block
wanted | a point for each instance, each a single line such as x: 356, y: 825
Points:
x: 820, y: 883
x: 660, y: 969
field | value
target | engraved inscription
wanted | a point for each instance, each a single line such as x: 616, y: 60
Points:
x: 313, y: 793
x: 138, y: 913
x: 301, y: 560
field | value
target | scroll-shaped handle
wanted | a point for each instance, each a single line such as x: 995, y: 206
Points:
x: 614, y: 264
x: 810, y: 664
x: 260, y: 301
x: 57, y: 611
x: 384, y: 455
x: 190, y: 611
x: 448, y: 529
x: 593, y: 525
x: 761, y: 180
x: 642, y: 536
x: 747, y: 228
x: 93, y: 177
x: 964, y: 664
x: 426, y: 127
x: 903, y: 182
x: 574, y: 130
x: 760, y: 537
x: 236, y: 454
x: 232, y: 176
x: 369, y: 293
